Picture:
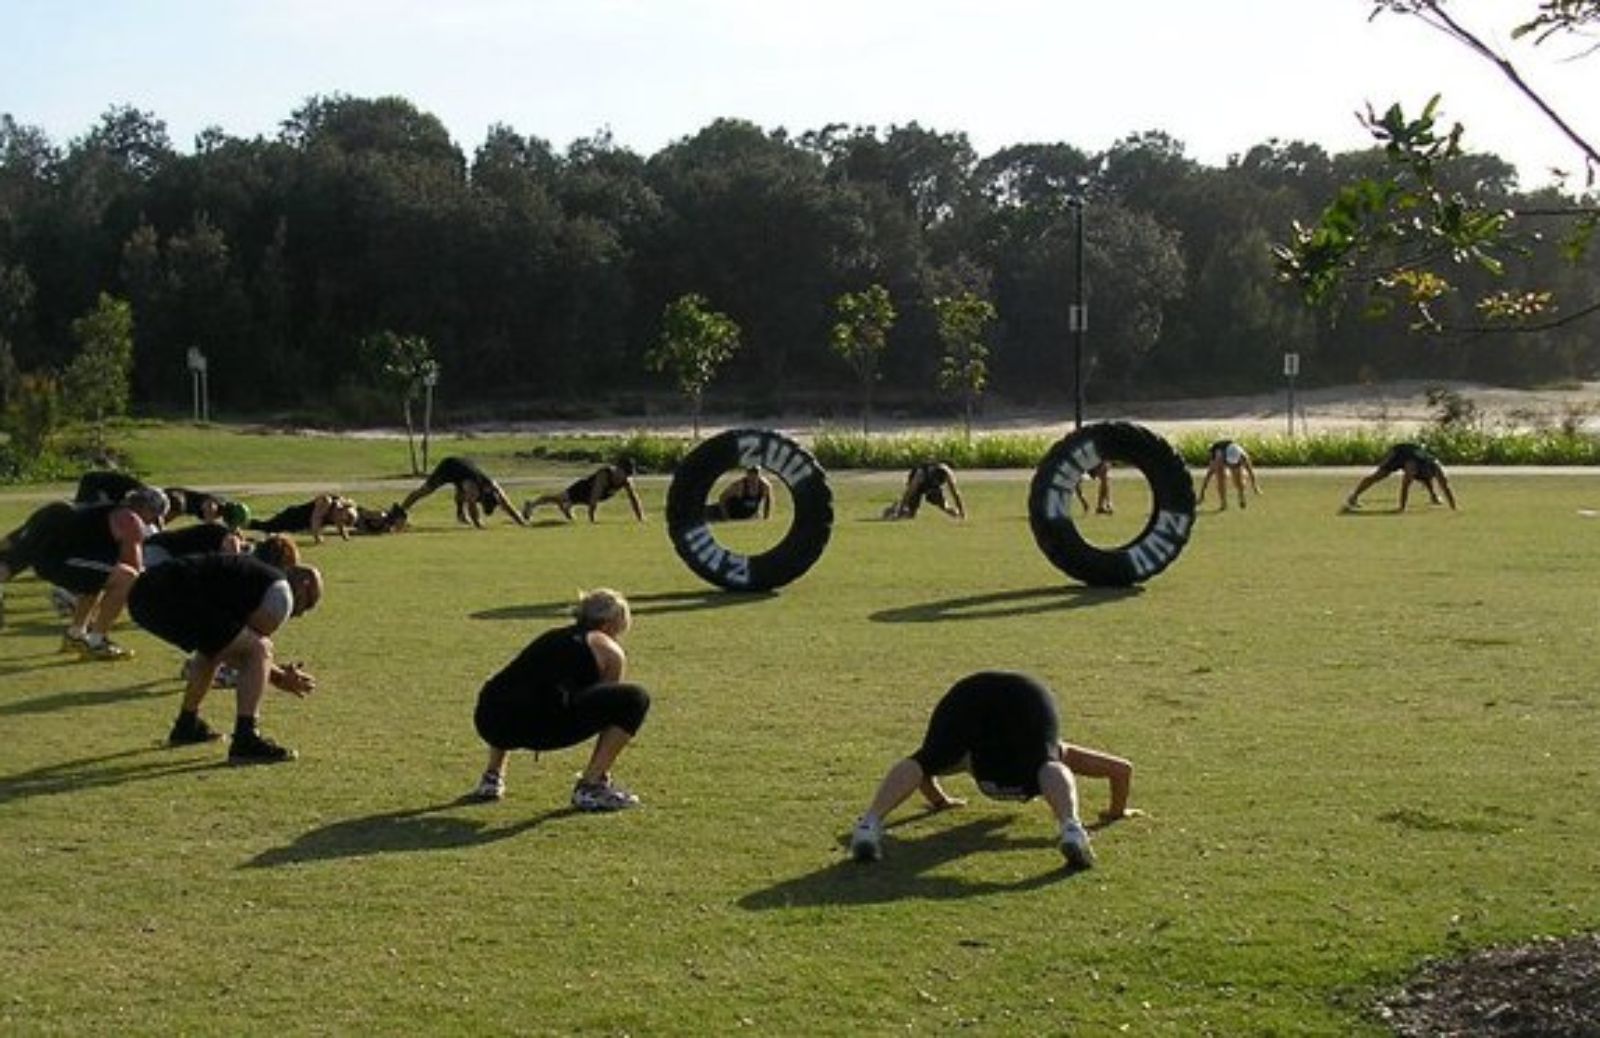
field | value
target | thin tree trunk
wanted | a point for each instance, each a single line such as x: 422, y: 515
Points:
x: 411, y: 441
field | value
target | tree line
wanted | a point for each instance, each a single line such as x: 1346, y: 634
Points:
x: 540, y: 279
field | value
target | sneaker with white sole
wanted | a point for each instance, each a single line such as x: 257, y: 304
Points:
x: 602, y: 796
x: 105, y: 649
x: 866, y: 840
x: 1075, y: 846
x: 492, y: 786
x: 71, y: 642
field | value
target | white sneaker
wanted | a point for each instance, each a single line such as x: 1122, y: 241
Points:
x: 602, y: 796
x: 866, y: 840
x: 1075, y: 846
x: 492, y: 786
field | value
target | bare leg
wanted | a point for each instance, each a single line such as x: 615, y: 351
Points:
x: 606, y: 748
x: 901, y: 781
x: 112, y: 599
x: 1059, y: 790
x: 1238, y: 484
x: 1361, y: 488
x: 496, y: 764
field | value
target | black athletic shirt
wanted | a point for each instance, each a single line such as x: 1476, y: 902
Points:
x: 85, y: 531
x: 558, y: 660
x: 578, y: 493
x: 101, y: 487
x: 1220, y: 448
x: 230, y: 585
x: 294, y: 519
x: 194, y: 501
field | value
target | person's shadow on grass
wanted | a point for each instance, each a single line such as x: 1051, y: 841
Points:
x: 66, y: 700
x: 1001, y: 604
x: 112, y: 769
x: 905, y: 871
x: 651, y: 604
x: 409, y: 829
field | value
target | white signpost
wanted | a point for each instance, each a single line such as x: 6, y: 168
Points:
x: 200, y: 386
x: 1291, y: 368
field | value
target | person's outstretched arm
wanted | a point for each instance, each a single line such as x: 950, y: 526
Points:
x: 1444, y: 485
x: 960, y: 509
x: 505, y: 502
x: 633, y: 499
x: 1081, y: 760
x: 319, y: 516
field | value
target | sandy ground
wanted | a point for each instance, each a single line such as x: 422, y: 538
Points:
x: 1400, y: 407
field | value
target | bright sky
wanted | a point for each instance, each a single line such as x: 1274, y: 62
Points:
x: 1219, y: 75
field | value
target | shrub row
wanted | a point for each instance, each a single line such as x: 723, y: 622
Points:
x: 836, y: 450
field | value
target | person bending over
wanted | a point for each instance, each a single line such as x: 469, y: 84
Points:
x: 311, y: 517
x: 226, y: 609
x: 1003, y: 728
x: 476, y: 494
x: 95, y: 552
x: 592, y: 489
x: 563, y: 689
x: 105, y: 487
x: 928, y: 482
x: 1416, y: 464
x: 746, y: 496
x: 1223, y: 459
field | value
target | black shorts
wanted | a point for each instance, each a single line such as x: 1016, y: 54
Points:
x: 511, y: 717
x: 1001, y: 726
x: 157, y: 604
x: 82, y: 573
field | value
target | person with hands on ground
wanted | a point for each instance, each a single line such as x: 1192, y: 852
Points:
x: 1416, y: 464
x: 1003, y: 728
x: 744, y: 498
x: 592, y: 489
x: 928, y: 482
x: 226, y: 609
x: 476, y: 494
x: 563, y: 688
x: 1223, y: 458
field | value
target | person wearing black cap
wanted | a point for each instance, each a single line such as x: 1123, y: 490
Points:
x: 476, y: 494
x: 1003, y: 728
x: 563, y: 688
x: 225, y: 609
x: 592, y: 489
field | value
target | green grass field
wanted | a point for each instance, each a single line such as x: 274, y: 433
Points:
x: 1361, y: 741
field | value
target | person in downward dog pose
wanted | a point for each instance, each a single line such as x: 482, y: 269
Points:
x: 1003, y: 728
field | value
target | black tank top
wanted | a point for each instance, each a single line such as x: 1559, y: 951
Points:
x: 559, y: 658
x: 232, y: 585
x: 85, y: 531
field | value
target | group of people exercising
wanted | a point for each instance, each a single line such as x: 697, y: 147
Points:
x: 207, y: 590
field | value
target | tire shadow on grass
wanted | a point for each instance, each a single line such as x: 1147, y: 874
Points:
x: 1001, y: 604
x: 906, y: 871
x: 651, y: 604
x: 392, y: 832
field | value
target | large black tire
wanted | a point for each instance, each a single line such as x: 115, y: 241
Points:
x: 1051, y: 498
x: 802, y: 544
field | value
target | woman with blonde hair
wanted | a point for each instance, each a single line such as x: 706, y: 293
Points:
x: 564, y: 688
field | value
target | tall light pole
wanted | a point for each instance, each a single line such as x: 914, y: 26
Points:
x: 1078, y: 315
